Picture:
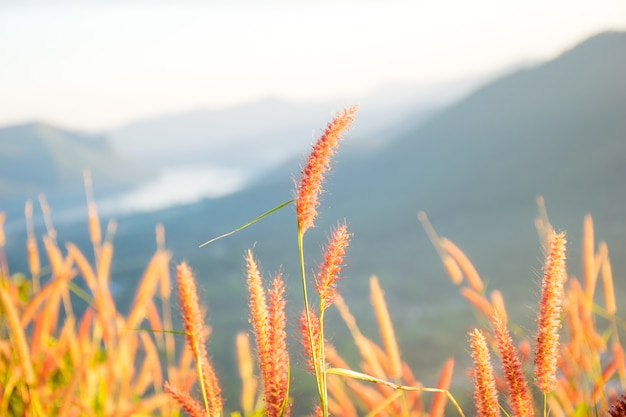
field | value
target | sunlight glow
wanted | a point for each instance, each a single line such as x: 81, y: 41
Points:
x: 97, y: 65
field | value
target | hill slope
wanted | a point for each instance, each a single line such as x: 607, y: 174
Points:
x: 557, y: 130
x: 265, y: 132
x: 40, y: 158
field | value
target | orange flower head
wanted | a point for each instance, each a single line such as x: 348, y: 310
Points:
x: 311, y: 356
x: 186, y: 401
x: 193, y: 323
x: 517, y: 388
x: 331, y: 267
x: 485, y: 392
x: 196, y: 334
x: 275, y: 381
x: 267, y: 315
x: 549, y: 317
x: 317, y: 164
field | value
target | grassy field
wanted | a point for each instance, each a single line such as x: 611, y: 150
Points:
x: 92, y: 329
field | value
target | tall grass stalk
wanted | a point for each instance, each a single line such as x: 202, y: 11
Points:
x: 308, y: 191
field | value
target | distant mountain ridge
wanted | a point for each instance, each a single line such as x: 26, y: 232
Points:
x: 269, y: 131
x: 37, y: 157
x: 540, y: 130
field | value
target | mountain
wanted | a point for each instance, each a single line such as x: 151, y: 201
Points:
x: 270, y: 131
x: 557, y: 130
x: 37, y: 157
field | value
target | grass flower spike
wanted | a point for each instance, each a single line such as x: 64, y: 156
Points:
x: 312, y: 355
x: 276, y: 381
x: 317, y: 164
x: 549, y: 318
x: 307, y: 200
x: 196, y: 334
x: 329, y: 270
x: 186, y: 401
x: 517, y: 388
x: 267, y: 315
x: 485, y: 393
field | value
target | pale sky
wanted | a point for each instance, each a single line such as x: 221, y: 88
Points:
x: 98, y: 64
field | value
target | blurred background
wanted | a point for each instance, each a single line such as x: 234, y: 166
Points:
x: 198, y: 115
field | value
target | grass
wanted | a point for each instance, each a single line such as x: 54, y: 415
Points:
x: 66, y: 349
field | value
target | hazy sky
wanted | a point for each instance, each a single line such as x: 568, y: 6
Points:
x: 96, y: 64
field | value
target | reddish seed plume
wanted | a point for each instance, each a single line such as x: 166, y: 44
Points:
x: 618, y: 409
x: 188, y: 296
x: 304, y: 339
x: 267, y: 315
x: 196, y: 334
x: 317, y: 164
x: 517, y: 388
x: 549, y: 317
x: 485, y: 392
x: 259, y: 315
x: 212, y: 388
x: 275, y: 374
x: 186, y: 402
x: 331, y: 267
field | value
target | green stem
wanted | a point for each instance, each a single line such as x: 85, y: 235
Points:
x: 322, y: 365
x: 319, y: 373
x: 196, y: 351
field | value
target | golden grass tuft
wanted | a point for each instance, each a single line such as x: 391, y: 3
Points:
x: 60, y: 358
x: 64, y: 356
x: 267, y: 315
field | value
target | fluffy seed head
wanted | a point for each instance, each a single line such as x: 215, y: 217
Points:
x: 549, y: 317
x: 317, y: 164
x: 485, y: 392
x: 517, y: 388
x: 331, y: 267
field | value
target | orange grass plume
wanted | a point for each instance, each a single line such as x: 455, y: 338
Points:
x: 316, y: 166
x: 326, y: 279
x: 549, y: 317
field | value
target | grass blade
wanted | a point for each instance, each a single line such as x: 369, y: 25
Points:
x: 251, y: 222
